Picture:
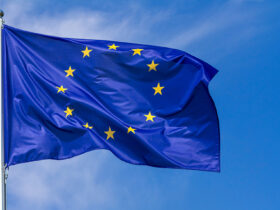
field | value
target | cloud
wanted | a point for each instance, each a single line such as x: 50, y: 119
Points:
x: 225, y: 24
x: 68, y: 184
x: 84, y: 22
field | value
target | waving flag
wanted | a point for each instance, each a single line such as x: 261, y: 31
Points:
x: 148, y: 105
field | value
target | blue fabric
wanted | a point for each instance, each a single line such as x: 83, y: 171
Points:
x: 110, y: 91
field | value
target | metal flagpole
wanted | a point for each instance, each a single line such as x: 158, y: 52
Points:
x: 3, y: 168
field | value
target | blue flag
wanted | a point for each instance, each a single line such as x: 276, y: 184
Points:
x: 148, y: 105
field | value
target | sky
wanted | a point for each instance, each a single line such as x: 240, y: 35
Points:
x: 238, y: 37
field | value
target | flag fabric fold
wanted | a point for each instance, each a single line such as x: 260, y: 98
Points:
x: 148, y: 105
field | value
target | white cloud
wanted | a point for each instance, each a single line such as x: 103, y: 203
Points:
x: 230, y: 19
x: 67, y: 184
x: 85, y: 23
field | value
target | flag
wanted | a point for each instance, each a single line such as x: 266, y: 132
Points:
x: 148, y: 105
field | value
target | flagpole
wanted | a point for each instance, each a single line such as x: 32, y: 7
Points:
x: 3, y: 168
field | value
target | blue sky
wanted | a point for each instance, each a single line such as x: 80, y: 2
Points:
x: 238, y: 37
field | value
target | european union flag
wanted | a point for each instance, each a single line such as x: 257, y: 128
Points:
x: 148, y: 105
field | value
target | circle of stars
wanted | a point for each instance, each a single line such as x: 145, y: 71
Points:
x: 110, y: 133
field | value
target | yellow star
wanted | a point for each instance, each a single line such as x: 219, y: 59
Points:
x: 87, y: 126
x: 110, y: 133
x: 112, y: 47
x: 130, y: 129
x: 86, y: 52
x: 68, y: 111
x: 158, y: 89
x: 61, y: 89
x: 137, y: 51
x: 152, y: 66
x: 150, y: 117
x: 69, y: 72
